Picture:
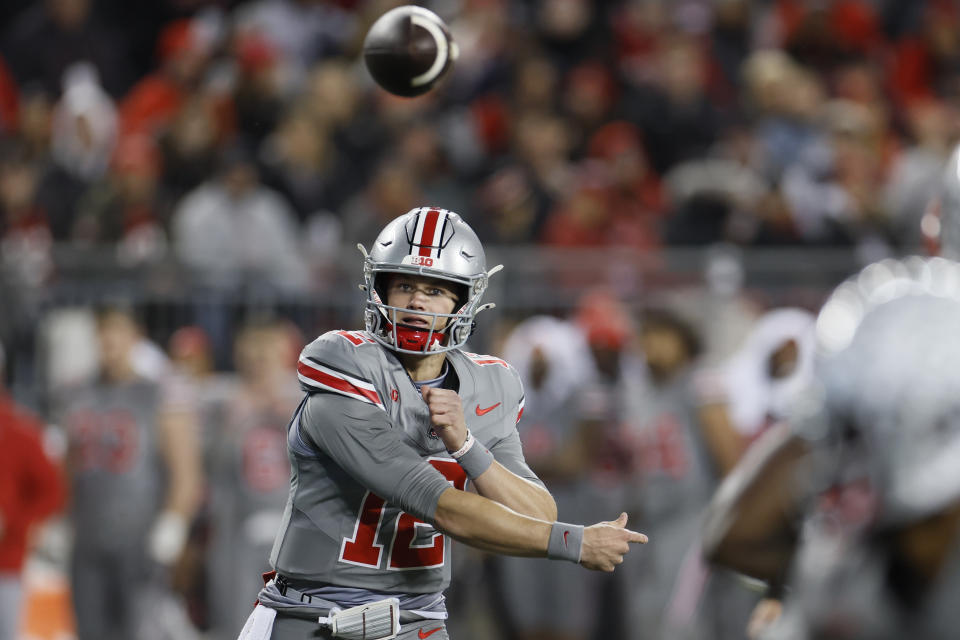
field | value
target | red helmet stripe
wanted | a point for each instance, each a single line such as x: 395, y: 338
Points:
x: 427, y: 242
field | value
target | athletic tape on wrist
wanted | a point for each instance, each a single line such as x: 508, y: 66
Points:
x: 566, y: 542
x: 475, y: 460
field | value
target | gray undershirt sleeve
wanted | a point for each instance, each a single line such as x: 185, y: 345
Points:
x: 365, y: 443
x: 509, y: 452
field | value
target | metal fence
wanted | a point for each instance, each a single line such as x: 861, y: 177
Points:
x: 536, y: 280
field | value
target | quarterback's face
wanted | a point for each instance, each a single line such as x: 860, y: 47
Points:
x: 420, y: 293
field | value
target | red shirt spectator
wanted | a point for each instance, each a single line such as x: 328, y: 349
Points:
x: 31, y: 487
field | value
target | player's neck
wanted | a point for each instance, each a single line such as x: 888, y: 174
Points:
x: 422, y: 368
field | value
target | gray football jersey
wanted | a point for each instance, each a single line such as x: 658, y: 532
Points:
x: 672, y: 471
x: 115, y: 469
x: 366, y: 471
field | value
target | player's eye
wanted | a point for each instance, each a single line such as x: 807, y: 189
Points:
x: 435, y: 291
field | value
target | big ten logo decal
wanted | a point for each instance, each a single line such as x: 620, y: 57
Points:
x: 423, y: 261
x: 107, y: 440
x: 414, y: 543
x: 662, y: 448
x: 266, y: 467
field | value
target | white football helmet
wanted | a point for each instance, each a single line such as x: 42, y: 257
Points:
x: 888, y: 354
x: 430, y: 242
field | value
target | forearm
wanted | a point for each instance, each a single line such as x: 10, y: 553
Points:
x: 519, y: 494
x: 490, y: 526
x: 756, y: 507
x: 181, y: 454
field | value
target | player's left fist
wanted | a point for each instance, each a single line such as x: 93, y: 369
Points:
x: 446, y: 416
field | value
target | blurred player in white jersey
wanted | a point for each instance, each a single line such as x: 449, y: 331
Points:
x: 396, y: 421
x: 854, y: 505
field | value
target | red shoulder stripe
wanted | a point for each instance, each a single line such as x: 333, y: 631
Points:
x: 327, y: 380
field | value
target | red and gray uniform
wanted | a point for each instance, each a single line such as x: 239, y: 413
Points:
x: 249, y: 480
x: 117, y: 486
x: 671, y: 480
x: 366, y: 474
x: 553, y: 597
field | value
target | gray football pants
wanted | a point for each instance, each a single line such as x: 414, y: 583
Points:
x: 291, y: 628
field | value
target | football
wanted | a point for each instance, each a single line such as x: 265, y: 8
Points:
x: 408, y: 49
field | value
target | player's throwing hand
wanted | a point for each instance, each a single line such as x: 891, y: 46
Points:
x: 605, y: 544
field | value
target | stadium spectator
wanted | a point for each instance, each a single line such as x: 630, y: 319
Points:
x: 589, y: 94
x: 34, y: 123
x: 673, y: 110
x: 511, y: 210
x: 183, y: 52
x: 582, y: 219
x: 916, y: 171
x: 303, y: 32
x: 189, y: 147
x: 301, y: 161
x: 392, y: 188
x: 262, y: 248
x: 48, y: 37
x: 31, y: 489
x: 25, y: 235
x: 541, y: 144
x: 9, y: 97
x: 336, y: 101
x: 126, y: 210
x: 260, y: 92
x: 783, y: 99
x: 83, y: 139
x: 635, y: 197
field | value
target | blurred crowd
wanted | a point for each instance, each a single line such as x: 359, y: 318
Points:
x: 642, y: 123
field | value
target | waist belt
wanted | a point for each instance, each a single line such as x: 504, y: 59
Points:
x: 283, y: 585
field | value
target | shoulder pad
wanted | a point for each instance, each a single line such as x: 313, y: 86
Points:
x: 340, y: 362
x: 502, y: 371
x: 486, y: 361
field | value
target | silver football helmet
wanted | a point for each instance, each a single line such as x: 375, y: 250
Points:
x: 430, y: 242
x: 888, y: 363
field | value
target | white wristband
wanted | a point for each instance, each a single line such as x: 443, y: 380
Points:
x: 462, y: 451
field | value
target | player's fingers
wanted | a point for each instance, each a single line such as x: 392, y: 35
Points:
x: 425, y: 392
x: 636, y: 536
x: 620, y: 522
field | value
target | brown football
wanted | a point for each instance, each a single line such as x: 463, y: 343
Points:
x: 408, y: 49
